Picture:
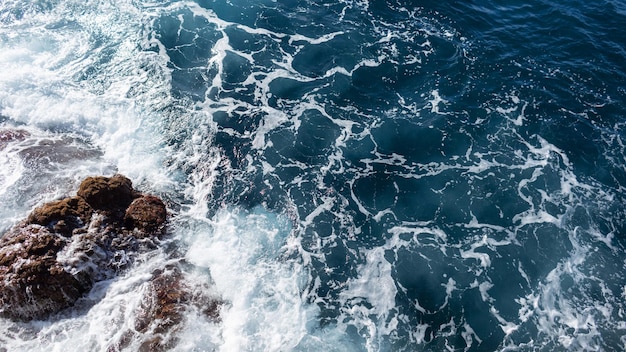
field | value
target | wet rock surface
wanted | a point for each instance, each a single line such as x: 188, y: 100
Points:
x: 55, y: 150
x: 32, y: 282
x: 146, y: 214
x: 168, y: 297
x: 62, y: 216
x: 55, y: 256
x: 39, y: 162
x: 107, y: 193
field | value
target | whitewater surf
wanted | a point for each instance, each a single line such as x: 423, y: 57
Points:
x: 344, y: 175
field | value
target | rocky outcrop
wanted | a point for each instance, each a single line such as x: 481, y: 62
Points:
x: 57, y: 254
x: 62, y: 216
x: 32, y: 282
x: 162, y: 311
x: 54, y: 257
x: 161, y: 315
x: 107, y: 193
x: 42, y: 150
x: 146, y: 214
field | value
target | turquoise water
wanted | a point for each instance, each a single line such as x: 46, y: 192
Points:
x: 350, y: 176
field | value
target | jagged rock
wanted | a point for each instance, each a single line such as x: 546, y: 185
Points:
x: 64, y: 247
x: 163, y: 308
x: 147, y: 214
x: 33, y: 283
x: 161, y: 314
x: 56, y: 256
x: 63, y: 215
x: 104, y: 193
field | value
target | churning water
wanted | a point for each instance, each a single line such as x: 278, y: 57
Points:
x: 346, y: 175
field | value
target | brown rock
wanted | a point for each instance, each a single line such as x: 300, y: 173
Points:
x: 104, y: 193
x: 162, y: 312
x: 164, y: 304
x: 32, y: 283
x: 41, y: 274
x: 62, y: 216
x: 162, y: 309
x: 147, y: 214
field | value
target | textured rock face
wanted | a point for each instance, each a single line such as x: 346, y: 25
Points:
x: 162, y: 311
x: 169, y: 295
x: 104, y: 193
x: 147, y: 214
x: 33, y: 283
x: 56, y: 255
x: 62, y: 216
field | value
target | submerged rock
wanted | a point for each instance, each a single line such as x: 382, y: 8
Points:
x: 7, y: 136
x: 57, y: 254
x: 38, y: 150
x: 169, y: 295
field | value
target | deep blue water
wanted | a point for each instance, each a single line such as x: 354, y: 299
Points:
x: 380, y: 176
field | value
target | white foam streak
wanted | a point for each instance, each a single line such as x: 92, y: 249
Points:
x: 11, y: 170
x: 506, y: 326
x: 270, y: 122
x: 415, y: 231
x: 474, y: 224
x: 315, y: 41
x: 356, y: 200
x: 573, y: 323
x: 325, y: 206
x: 376, y: 286
x: 435, y: 101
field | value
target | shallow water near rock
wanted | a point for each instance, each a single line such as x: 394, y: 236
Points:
x: 345, y: 176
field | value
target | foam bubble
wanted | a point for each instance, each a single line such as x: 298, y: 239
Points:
x: 245, y: 253
x: 372, y: 309
x: 435, y: 101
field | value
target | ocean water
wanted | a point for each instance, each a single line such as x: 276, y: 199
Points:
x: 345, y: 175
